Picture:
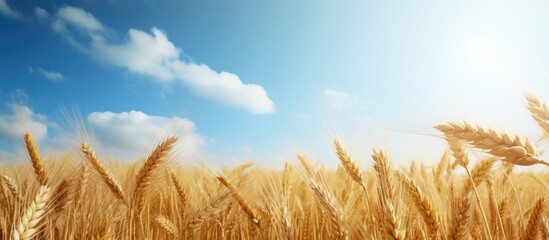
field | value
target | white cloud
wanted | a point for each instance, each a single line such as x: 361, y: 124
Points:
x: 51, y: 75
x: 79, y: 18
x: 132, y: 134
x: 339, y: 99
x: 154, y: 55
x: 7, y: 11
x: 41, y: 13
x: 20, y: 119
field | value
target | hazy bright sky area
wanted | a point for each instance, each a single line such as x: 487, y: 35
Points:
x: 264, y: 80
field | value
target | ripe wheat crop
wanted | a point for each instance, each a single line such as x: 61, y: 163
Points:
x: 81, y: 196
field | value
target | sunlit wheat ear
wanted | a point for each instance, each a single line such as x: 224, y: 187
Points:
x: 539, y: 111
x: 107, y: 177
x: 309, y: 169
x: 36, y: 159
x: 329, y: 205
x: 348, y: 163
x: 180, y: 190
x: 480, y: 174
x: 354, y: 171
x: 533, y: 227
x: 153, y: 162
x: 386, y: 193
x: 12, y: 186
x: 423, y: 204
x: 516, y: 150
x: 236, y: 195
x: 458, y: 151
x: 461, y: 217
x: 27, y: 226
x: 167, y: 225
x: 382, y: 166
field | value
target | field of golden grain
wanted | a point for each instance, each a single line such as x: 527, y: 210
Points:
x: 84, y: 197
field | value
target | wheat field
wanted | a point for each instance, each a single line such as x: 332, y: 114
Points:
x: 82, y: 196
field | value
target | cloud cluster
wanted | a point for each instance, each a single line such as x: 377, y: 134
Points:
x: 7, y: 11
x: 20, y: 118
x: 127, y: 135
x: 134, y: 133
x: 51, y: 75
x: 154, y: 55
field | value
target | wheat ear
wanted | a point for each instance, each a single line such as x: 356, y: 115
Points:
x: 329, y: 205
x: 309, y: 169
x: 12, y: 186
x: 516, y: 150
x: 425, y: 207
x: 28, y: 224
x: 107, y: 177
x: 533, y: 226
x: 167, y: 225
x: 236, y: 195
x: 539, y: 111
x: 180, y: 190
x: 36, y: 159
x: 354, y: 171
x: 153, y: 162
x: 461, y: 217
x: 386, y: 193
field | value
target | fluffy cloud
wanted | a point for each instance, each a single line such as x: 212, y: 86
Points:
x: 339, y: 99
x: 20, y: 119
x: 154, y: 55
x: 51, y: 75
x: 41, y: 14
x: 132, y: 134
x: 7, y: 11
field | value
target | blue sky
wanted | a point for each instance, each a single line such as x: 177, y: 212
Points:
x: 262, y: 80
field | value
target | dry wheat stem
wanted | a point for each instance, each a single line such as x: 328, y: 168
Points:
x: 479, y: 202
